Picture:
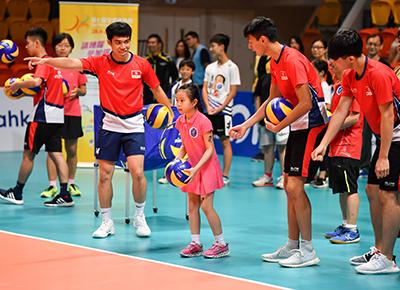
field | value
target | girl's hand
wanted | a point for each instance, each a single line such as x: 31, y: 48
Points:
x: 192, y: 173
x: 74, y: 93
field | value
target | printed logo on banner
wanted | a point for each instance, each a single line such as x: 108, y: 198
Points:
x: 79, y: 24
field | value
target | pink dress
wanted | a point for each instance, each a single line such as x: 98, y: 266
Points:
x: 209, y: 176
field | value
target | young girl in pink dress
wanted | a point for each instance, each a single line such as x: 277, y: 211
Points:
x: 205, y: 175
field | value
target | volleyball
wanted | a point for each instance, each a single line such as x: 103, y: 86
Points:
x: 65, y: 87
x: 278, y: 109
x: 170, y: 142
x: 29, y: 91
x: 8, y: 51
x: 13, y: 95
x: 158, y: 116
x: 176, y: 173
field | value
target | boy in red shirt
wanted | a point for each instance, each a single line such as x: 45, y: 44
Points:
x: 121, y: 75
x: 45, y: 122
x: 293, y: 76
x: 377, y: 91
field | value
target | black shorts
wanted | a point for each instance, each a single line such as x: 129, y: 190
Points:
x: 390, y: 182
x: 72, y: 128
x: 343, y: 174
x: 221, y: 124
x: 37, y: 134
x: 299, y: 146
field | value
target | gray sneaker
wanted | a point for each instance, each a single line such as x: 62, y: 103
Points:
x: 280, y: 254
x: 378, y: 264
x: 264, y: 181
x: 300, y: 258
x: 359, y: 260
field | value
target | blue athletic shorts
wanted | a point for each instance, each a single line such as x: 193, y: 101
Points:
x: 109, y: 145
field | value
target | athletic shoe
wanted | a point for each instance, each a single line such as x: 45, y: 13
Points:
x: 163, y: 180
x: 346, y: 237
x: 363, y: 173
x: 59, y: 200
x: 106, y: 229
x: 335, y: 233
x: 280, y: 254
x: 264, y: 180
x: 227, y: 181
x: 10, y: 196
x: 379, y: 264
x: 258, y: 158
x: 193, y: 250
x: 49, y: 192
x: 142, y: 229
x: 359, y: 260
x: 217, y: 251
x: 300, y: 258
x: 73, y: 190
x: 280, y: 182
x: 309, y: 182
x: 320, y: 183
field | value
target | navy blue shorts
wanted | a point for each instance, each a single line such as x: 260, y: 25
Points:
x: 109, y: 145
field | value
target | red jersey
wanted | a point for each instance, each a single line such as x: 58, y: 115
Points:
x: 348, y: 141
x: 73, y: 77
x: 291, y: 69
x: 49, y: 101
x: 121, y: 89
x: 376, y: 86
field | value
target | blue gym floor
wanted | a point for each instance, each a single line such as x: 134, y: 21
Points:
x: 253, y: 220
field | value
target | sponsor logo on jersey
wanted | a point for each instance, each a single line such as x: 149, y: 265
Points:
x: 339, y: 90
x: 294, y: 169
x: 284, y: 76
x: 193, y: 132
x: 368, y: 92
x: 136, y: 74
x: 110, y: 73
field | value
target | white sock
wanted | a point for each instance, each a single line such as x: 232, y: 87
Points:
x: 307, y: 245
x: 106, y: 213
x: 71, y: 181
x: 53, y: 182
x: 139, y: 207
x: 344, y: 223
x: 352, y: 228
x: 196, y: 239
x: 220, y: 239
x: 292, y: 244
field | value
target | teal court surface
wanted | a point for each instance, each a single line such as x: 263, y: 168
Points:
x: 253, y: 220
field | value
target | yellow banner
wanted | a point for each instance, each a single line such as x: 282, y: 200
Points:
x: 86, y: 23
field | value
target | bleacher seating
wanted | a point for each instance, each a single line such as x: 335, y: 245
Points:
x: 19, y: 69
x: 389, y: 35
x: 56, y: 25
x: 3, y: 8
x: 17, y: 10
x: 39, y: 8
x: 396, y: 11
x: 5, y: 73
x: 3, y: 29
x: 380, y: 12
x: 18, y: 28
x: 22, y: 52
x: 329, y: 13
x: 46, y: 24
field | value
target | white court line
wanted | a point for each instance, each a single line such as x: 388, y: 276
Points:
x: 148, y: 260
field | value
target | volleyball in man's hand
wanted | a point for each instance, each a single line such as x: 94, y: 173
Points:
x: 65, y: 87
x: 13, y: 95
x: 8, y: 51
x: 176, y: 173
x: 29, y: 91
x: 158, y: 116
x: 278, y: 109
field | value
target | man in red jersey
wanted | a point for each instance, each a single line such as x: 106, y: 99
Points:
x: 293, y: 76
x: 377, y: 91
x: 44, y: 123
x: 121, y: 75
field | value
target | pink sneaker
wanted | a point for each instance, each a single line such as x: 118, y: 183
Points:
x: 217, y: 251
x: 193, y: 250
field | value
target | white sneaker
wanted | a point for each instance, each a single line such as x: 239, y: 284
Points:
x: 106, y: 229
x: 281, y: 254
x: 280, y: 182
x: 163, y: 180
x: 378, y: 264
x: 300, y: 258
x: 142, y: 229
x: 360, y: 260
x: 264, y: 181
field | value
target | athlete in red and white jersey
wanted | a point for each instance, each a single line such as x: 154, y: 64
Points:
x: 375, y: 86
x: 120, y: 102
x: 291, y: 69
x: 348, y: 141
x: 49, y: 101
